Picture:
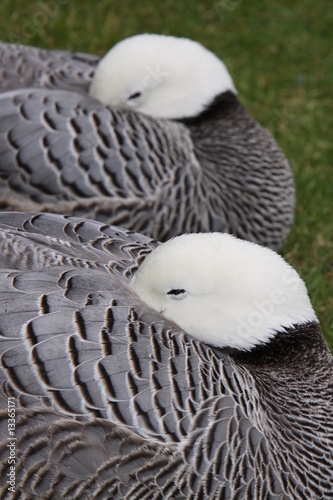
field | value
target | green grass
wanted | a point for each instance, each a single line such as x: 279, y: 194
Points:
x: 281, y: 58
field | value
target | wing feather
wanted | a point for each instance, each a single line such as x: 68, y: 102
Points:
x: 23, y: 66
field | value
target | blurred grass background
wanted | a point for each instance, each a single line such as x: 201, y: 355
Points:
x: 280, y: 54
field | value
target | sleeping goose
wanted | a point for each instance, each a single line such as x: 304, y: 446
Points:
x: 134, y: 370
x: 160, y: 144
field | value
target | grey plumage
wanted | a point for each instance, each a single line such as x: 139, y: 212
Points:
x: 64, y: 152
x: 22, y: 67
x: 115, y: 401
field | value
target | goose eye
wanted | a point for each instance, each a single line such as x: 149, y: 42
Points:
x: 177, y: 293
x: 135, y: 95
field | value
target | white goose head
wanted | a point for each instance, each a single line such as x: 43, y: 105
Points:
x: 222, y: 290
x: 162, y: 76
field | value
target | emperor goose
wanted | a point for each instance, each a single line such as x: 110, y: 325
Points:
x: 160, y: 144
x: 200, y: 374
